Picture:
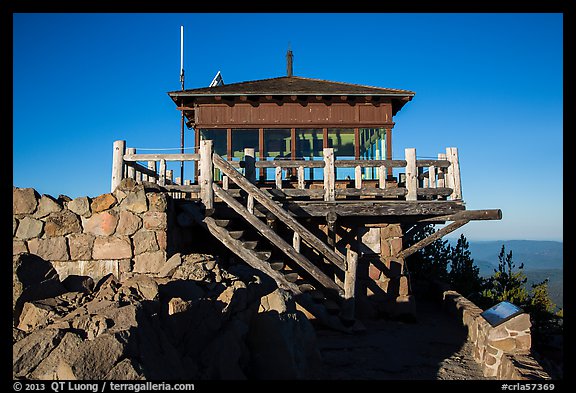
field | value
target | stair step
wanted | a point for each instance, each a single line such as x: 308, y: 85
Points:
x: 222, y: 223
x: 277, y: 265
x: 264, y: 255
x: 291, y: 277
x: 331, y: 306
x: 250, y: 245
x: 236, y: 234
x: 306, y: 287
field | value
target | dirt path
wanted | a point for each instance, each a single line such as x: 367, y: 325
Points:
x: 434, y: 348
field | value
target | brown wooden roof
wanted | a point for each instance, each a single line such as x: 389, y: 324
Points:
x: 293, y: 85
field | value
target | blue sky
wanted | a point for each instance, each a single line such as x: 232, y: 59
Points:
x: 489, y: 84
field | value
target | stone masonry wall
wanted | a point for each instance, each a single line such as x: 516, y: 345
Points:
x: 504, y: 350
x: 120, y: 232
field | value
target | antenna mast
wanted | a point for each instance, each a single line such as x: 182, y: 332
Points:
x: 182, y: 103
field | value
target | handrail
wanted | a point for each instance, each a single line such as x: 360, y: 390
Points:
x: 278, y: 211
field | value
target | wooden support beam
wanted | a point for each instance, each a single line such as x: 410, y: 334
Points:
x: 229, y: 143
x: 296, y: 242
x: 158, y: 157
x: 358, y: 177
x: 249, y: 164
x: 356, y: 143
x: 131, y: 170
x: 207, y: 174
x: 454, y: 173
x: 261, y: 152
x: 441, y: 173
x: 329, y: 175
x: 162, y: 175
x: 389, y: 148
x: 382, y: 177
x: 347, y: 311
x: 471, y: 215
x: 278, y: 177
x: 369, y: 163
x: 432, y: 176
x: 152, y: 168
x: 300, y: 175
x: 411, y: 174
x: 169, y: 176
x: 432, y: 238
x: 117, y: 163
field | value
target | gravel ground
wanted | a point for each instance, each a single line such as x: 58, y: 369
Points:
x: 433, y: 348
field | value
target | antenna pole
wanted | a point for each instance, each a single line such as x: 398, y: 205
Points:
x: 182, y: 102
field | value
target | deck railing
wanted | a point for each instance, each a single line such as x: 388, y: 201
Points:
x: 422, y: 179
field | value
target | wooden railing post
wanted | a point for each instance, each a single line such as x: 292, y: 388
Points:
x: 358, y: 177
x: 152, y: 167
x: 169, y: 176
x: 347, y: 311
x: 206, y: 174
x: 382, y: 177
x: 432, y: 176
x: 441, y: 172
x: 250, y: 164
x: 301, y: 183
x: 454, y: 173
x: 131, y: 171
x: 411, y: 174
x: 278, y: 177
x: 117, y: 163
x: 162, y: 174
x: 329, y: 175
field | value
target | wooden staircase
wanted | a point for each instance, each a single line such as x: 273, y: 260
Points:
x: 314, y: 290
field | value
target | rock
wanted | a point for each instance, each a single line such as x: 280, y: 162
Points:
x: 168, y: 269
x: 29, y: 228
x: 17, y: 335
x: 83, y: 284
x: 184, y: 289
x: 47, y: 205
x: 63, y: 199
x: 149, y: 262
x: 144, y: 241
x: 279, y: 300
x: 62, y: 223
x: 112, y: 248
x: 24, y: 200
x: 101, y: 224
x: 96, y: 358
x: 194, y: 268
x: 126, y: 370
x: 127, y: 184
x: 80, y: 206
x: 135, y: 201
x: 81, y: 245
x: 35, y: 315
x: 106, y: 288
x: 223, y: 358
x: 157, y: 201
x: 177, y: 305
x: 19, y: 247
x: 155, y: 220
x: 56, y: 366
x: 14, y: 225
x: 162, y: 239
x: 50, y: 249
x: 128, y: 223
x: 102, y: 202
x: 144, y: 285
x: 90, y: 326
x: 32, y: 349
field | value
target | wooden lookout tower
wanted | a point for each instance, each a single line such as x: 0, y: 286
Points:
x: 296, y: 177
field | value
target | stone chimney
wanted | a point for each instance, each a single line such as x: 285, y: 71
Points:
x: 289, y: 58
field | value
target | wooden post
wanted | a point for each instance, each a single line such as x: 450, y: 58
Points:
x: 225, y: 182
x: 296, y: 242
x: 138, y: 177
x: 206, y: 174
x: 441, y: 177
x: 152, y: 167
x: 185, y: 195
x: 329, y: 175
x: 250, y: 203
x: 278, y: 177
x: 131, y: 171
x: 432, y: 176
x: 250, y: 164
x: 347, y: 311
x: 411, y: 174
x: 382, y: 177
x: 117, y: 163
x: 389, y: 148
x: 169, y: 176
x: 162, y: 175
x: 301, y: 183
x: 454, y: 173
x: 358, y: 176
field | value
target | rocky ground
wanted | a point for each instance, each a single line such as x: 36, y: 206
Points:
x: 432, y: 348
x: 194, y: 321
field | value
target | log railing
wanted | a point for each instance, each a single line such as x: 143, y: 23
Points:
x: 422, y: 179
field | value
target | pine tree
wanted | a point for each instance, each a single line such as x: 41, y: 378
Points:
x: 464, y: 275
x: 506, y: 283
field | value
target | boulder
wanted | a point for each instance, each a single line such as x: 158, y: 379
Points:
x: 47, y: 205
x: 50, y: 249
x: 19, y: 247
x: 144, y: 241
x: 24, y: 200
x: 144, y: 285
x: 74, y: 283
x: 62, y: 223
x: 102, y: 202
x: 80, y: 206
x: 226, y: 356
x: 29, y: 228
x: 97, y: 357
x: 168, y: 269
x: 126, y: 370
x: 112, y: 248
x: 135, y: 200
x: 157, y: 201
x: 149, y: 262
x: 14, y: 225
x: 101, y: 224
x: 81, y: 245
x: 34, y: 315
x: 32, y: 349
x: 128, y: 223
x: 56, y: 366
x: 155, y: 220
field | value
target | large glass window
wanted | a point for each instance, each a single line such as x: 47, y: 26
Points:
x: 309, y: 144
x: 372, y: 147
x: 218, y: 137
x: 243, y: 138
x: 342, y: 141
x: 277, y: 146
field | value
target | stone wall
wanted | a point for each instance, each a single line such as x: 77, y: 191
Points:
x: 503, y: 350
x: 120, y: 232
